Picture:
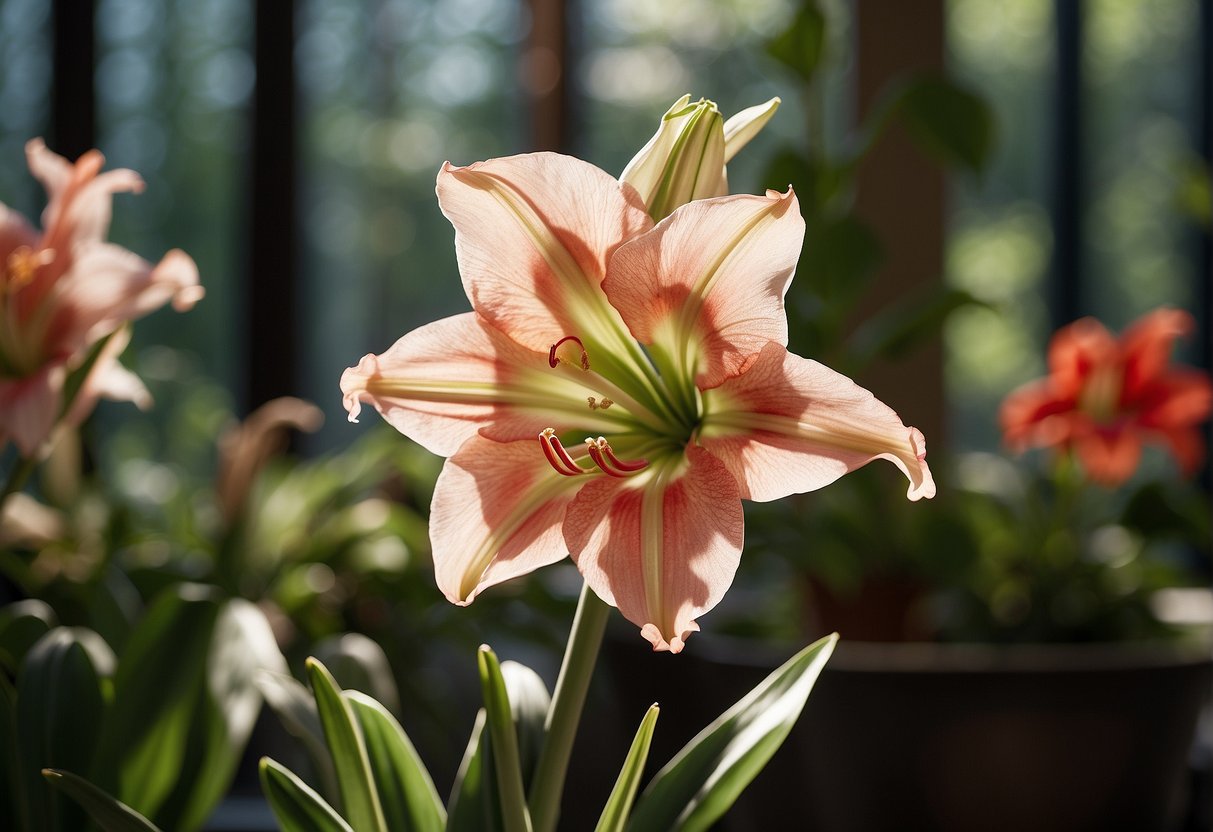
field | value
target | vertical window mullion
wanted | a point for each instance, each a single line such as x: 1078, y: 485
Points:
x: 1066, y: 272
x: 73, y: 97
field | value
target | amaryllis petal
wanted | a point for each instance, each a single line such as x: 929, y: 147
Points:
x: 15, y: 232
x: 496, y: 514
x: 29, y: 407
x: 450, y: 379
x: 1147, y: 343
x: 664, y: 547
x: 1025, y: 415
x: 1077, y: 349
x: 1109, y: 456
x: 533, y: 234
x: 788, y: 425
x: 108, y: 379
x: 109, y: 285
x: 706, y: 286
x: 745, y: 125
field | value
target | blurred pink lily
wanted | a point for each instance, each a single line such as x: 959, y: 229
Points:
x: 618, y: 390
x: 65, y: 289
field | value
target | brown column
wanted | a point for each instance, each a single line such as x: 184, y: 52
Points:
x: 544, y: 73
x: 901, y: 193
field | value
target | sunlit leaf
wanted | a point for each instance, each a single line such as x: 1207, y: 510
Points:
x: 158, y: 692
x: 296, y: 806
x: 108, y: 813
x: 529, y: 703
x: 619, y: 804
x: 296, y: 709
x: 473, y: 805
x: 700, y: 784
x: 505, y: 743
x: 406, y: 792
x: 359, y: 663
x: 359, y: 799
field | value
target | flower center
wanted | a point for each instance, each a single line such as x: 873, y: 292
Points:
x: 1100, y: 395
x: 22, y: 264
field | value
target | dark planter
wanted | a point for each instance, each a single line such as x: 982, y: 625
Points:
x: 957, y: 738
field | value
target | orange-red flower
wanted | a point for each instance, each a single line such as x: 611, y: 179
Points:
x: 618, y: 390
x: 1105, y: 397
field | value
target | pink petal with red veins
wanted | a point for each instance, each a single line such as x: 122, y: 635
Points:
x: 788, y: 425
x: 446, y: 381
x: 496, y: 514
x: 533, y: 234
x: 661, y: 548
x: 29, y: 408
x: 714, y: 272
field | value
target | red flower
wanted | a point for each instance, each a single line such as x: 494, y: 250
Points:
x: 1103, y: 397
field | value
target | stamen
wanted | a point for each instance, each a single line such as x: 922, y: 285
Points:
x: 595, y: 404
x: 22, y: 263
x: 628, y: 467
x: 604, y: 458
x: 557, y: 456
x: 554, y: 359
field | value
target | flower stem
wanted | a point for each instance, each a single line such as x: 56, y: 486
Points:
x: 564, y: 715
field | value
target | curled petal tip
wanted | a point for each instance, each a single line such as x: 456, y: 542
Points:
x: 353, y: 384
x: 922, y: 484
x: 652, y: 633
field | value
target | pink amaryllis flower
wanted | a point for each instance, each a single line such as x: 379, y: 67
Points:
x: 618, y: 390
x: 1103, y: 397
x: 63, y: 290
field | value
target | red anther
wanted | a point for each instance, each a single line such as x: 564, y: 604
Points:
x: 627, y: 467
x: 553, y: 360
x: 557, y: 456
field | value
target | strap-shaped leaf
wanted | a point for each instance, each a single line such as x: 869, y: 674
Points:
x: 296, y: 709
x: 473, y: 805
x: 108, y: 813
x: 702, y: 781
x: 21, y: 624
x: 359, y: 663
x: 359, y: 799
x: 406, y: 792
x: 157, y: 695
x: 296, y: 807
x: 619, y: 804
x: 505, y: 743
x: 60, y: 709
x: 529, y: 703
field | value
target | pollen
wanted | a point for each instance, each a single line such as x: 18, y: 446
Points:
x: 22, y: 264
x: 595, y: 404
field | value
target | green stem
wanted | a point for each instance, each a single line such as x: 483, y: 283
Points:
x: 580, y: 656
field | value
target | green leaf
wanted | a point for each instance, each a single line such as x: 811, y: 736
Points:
x: 296, y: 709
x: 110, y: 814
x: 529, y: 703
x: 406, y: 792
x: 61, y: 706
x: 296, y: 807
x: 700, y: 784
x: 950, y: 122
x: 801, y: 46
x: 157, y: 695
x: 473, y: 805
x: 619, y: 804
x: 359, y: 663
x: 354, y: 779
x: 505, y: 743
x: 21, y: 624
x: 242, y: 644
x: 14, y: 808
